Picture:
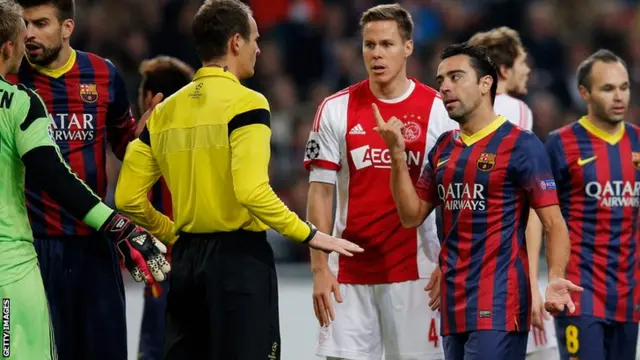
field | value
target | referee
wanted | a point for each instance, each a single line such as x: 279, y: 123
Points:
x: 211, y: 143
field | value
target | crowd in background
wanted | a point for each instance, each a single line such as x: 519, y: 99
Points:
x: 312, y: 48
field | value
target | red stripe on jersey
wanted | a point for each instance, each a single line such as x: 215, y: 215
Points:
x: 316, y: 120
x: 447, y: 178
x: 52, y: 211
x: 569, y: 140
x: 513, y: 298
x: 76, y: 155
x: 602, y: 236
x: 100, y: 70
x: 625, y: 256
x: 465, y: 240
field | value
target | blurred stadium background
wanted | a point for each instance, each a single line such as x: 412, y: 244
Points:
x: 311, y: 48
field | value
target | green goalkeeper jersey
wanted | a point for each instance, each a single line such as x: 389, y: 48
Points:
x: 24, y: 125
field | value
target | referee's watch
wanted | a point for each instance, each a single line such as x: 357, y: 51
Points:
x: 313, y: 232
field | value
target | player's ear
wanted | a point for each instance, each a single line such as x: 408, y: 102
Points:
x: 235, y: 43
x: 6, y: 50
x: 67, y: 28
x: 503, y: 71
x: 485, y: 84
x: 584, y: 92
x: 408, y: 48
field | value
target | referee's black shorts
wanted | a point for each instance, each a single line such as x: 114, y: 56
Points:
x: 223, y: 298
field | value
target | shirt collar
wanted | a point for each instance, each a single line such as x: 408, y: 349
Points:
x: 214, y: 71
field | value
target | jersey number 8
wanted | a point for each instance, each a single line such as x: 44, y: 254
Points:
x: 571, y: 333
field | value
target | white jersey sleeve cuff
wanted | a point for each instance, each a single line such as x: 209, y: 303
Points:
x: 318, y: 174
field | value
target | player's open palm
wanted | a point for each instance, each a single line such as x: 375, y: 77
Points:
x: 328, y: 244
x: 324, y: 284
x: 558, y: 295
x: 390, y: 130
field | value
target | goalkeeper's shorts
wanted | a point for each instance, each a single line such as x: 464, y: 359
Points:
x: 26, y: 326
x: 223, y: 298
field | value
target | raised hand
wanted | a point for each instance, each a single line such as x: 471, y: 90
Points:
x: 328, y: 244
x: 390, y: 130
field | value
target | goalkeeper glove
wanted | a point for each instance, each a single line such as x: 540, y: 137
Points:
x: 141, y: 252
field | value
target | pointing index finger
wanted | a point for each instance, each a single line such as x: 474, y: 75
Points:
x: 376, y: 114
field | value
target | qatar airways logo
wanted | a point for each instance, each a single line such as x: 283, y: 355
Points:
x: 459, y: 196
x: 614, y: 193
x: 366, y: 156
x: 72, y: 127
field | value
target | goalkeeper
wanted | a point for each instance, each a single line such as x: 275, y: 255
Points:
x: 25, y: 143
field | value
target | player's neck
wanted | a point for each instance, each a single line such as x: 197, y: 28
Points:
x: 61, y: 60
x: 604, y: 125
x: 225, y: 64
x: 391, y: 90
x: 4, y: 70
x: 478, y: 120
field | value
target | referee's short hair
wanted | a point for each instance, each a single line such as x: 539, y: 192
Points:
x: 215, y: 23
x: 10, y: 19
x: 164, y: 74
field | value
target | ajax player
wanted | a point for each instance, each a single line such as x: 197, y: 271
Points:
x: 375, y: 304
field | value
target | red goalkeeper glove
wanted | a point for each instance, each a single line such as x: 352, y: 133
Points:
x: 141, y: 252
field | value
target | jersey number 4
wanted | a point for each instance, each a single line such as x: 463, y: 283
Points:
x: 433, y: 333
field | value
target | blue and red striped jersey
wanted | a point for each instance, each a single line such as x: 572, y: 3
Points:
x: 485, y: 185
x: 598, y: 179
x: 89, y: 107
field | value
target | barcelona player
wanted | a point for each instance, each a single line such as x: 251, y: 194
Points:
x: 89, y: 109
x: 164, y: 75
x: 596, y: 164
x: 486, y: 176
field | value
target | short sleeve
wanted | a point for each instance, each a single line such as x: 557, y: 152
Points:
x: 557, y: 159
x: 529, y: 119
x: 323, y: 146
x: 427, y: 187
x: 33, y: 126
x: 533, y: 171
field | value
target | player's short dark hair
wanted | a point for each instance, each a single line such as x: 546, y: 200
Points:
x: 393, y: 12
x: 478, y: 59
x: 503, y: 45
x: 10, y: 18
x: 583, y: 74
x: 215, y: 23
x: 164, y: 74
x: 66, y: 8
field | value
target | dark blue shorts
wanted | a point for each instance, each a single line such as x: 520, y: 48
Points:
x: 589, y: 338
x: 486, y: 345
x: 83, y: 282
x: 152, y: 329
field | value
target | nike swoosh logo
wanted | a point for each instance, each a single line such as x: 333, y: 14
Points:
x: 582, y: 162
x: 442, y: 162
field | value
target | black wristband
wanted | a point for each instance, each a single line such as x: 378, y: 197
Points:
x: 313, y: 232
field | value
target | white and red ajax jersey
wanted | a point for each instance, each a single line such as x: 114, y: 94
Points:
x: 515, y: 110
x: 344, y: 149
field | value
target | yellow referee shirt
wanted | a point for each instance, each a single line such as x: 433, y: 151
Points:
x: 211, y: 143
